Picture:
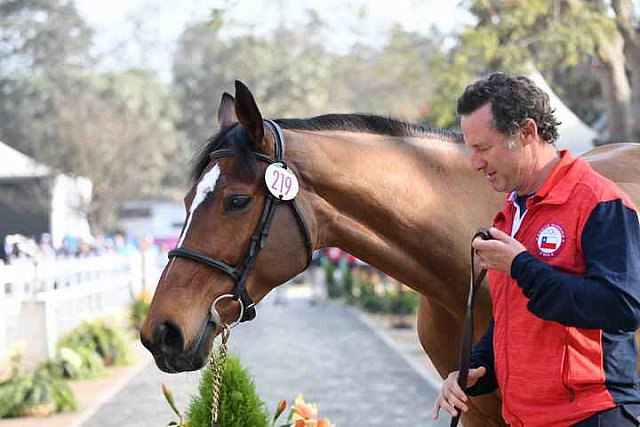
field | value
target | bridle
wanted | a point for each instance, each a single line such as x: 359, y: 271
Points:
x: 240, y: 272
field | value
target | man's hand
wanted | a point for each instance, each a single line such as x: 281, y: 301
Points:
x: 499, y: 252
x: 451, y: 397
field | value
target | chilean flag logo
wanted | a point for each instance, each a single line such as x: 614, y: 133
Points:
x: 550, y: 239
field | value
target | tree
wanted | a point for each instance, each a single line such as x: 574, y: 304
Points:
x: 593, y: 40
x: 117, y: 129
x: 288, y: 70
x: 293, y: 75
x: 41, y: 36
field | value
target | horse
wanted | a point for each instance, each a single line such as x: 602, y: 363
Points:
x: 399, y: 196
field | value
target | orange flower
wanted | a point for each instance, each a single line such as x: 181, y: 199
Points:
x: 282, y: 405
x: 313, y: 423
x: 303, y: 410
x: 145, y: 297
x: 306, y: 414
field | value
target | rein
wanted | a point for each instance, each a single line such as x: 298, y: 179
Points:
x: 239, y: 273
x: 467, y: 330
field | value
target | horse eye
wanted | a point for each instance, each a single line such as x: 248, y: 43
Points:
x: 236, y: 202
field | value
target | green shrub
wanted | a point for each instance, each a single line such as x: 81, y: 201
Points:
x: 240, y: 405
x: 404, y: 302
x: 372, y: 301
x: 77, y: 363
x: 108, y: 342
x: 334, y: 289
x: 13, y: 392
x: 348, y: 282
x: 63, y: 396
x: 34, y: 393
x: 139, y: 310
x: 40, y: 389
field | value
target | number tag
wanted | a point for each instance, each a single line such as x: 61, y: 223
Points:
x: 281, y: 182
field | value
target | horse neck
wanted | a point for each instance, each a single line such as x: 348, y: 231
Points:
x: 406, y: 206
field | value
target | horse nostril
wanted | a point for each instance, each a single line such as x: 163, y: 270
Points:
x: 168, y: 338
x: 146, y: 343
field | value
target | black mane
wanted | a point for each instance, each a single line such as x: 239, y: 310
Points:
x: 370, y: 124
x: 235, y: 138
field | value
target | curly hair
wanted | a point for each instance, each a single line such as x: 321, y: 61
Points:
x: 513, y: 100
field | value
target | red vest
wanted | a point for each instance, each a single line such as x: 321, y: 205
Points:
x: 550, y: 374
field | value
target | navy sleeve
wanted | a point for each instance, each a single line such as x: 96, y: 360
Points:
x: 482, y: 355
x: 608, y: 296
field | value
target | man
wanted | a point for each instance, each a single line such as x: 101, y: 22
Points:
x: 564, y: 271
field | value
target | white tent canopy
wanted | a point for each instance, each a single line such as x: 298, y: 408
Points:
x: 575, y: 135
x: 66, y: 200
x: 14, y: 164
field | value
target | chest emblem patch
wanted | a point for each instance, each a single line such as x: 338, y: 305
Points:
x: 550, y: 239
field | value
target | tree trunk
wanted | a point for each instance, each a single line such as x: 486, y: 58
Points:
x: 631, y: 37
x: 616, y: 89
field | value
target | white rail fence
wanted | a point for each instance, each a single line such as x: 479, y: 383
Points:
x: 39, y: 302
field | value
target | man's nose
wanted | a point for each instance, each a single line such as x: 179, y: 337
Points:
x: 477, y: 162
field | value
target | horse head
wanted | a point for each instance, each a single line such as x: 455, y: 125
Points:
x: 238, y: 241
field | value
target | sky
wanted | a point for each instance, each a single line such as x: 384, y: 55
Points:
x: 162, y: 21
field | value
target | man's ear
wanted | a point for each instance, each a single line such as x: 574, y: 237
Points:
x: 249, y: 116
x: 529, y: 131
x: 227, y: 111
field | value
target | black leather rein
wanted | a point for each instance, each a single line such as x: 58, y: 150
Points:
x: 240, y: 272
x: 467, y: 330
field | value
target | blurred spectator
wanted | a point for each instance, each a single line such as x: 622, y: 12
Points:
x: 47, y: 250
x: 69, y: 246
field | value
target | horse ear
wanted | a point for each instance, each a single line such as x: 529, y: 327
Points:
x: 227, y: 111
x: 249, y: 115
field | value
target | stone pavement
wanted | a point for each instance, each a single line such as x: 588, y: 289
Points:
x: 325, y: 352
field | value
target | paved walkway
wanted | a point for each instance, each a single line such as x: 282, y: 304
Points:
x: 324, y: 351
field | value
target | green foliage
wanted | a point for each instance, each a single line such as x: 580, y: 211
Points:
x: 42, y: 37
x: 13, y: 392
x: 138, y: 312
x: 560, y: 39
x: 55, y: 108
x: 346, y: 275
x: 292, y: 73
x: 372, y: 301
x: 63, y: 396
x: 107, y: 341
x: 510, y: 34
x: 40, y: 389
x: 334, y: 289
x: 398, y: 301
x: 34, y: 393
x: 76, y: 363
x: 240, y: 405
x: 404, y: 302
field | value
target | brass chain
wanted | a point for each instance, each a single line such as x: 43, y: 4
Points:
x: 216, y: 366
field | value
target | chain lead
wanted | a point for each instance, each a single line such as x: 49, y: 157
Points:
x: 216, y: 365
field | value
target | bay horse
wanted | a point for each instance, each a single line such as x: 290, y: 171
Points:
x: 401, y: 197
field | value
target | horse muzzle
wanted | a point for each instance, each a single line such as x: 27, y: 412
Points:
x: 167, y: 345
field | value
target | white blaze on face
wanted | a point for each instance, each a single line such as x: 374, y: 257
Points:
x: 206, y: 185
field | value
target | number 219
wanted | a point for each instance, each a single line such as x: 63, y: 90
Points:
x: 281, y: 182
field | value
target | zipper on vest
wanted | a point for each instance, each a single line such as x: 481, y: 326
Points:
x: 565, y: 373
